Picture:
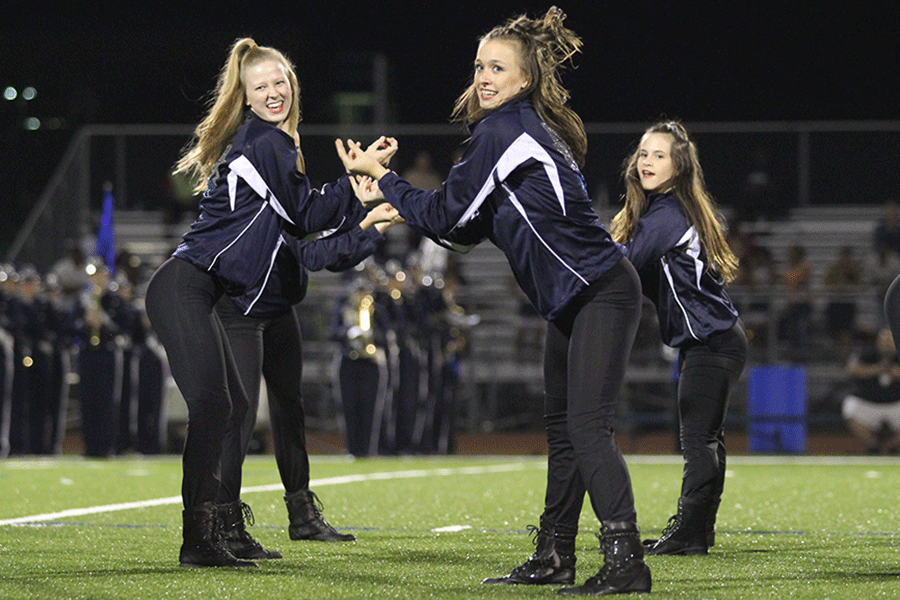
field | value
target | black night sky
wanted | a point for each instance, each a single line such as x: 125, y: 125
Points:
x: 734, y: 61
x: 139, y: 63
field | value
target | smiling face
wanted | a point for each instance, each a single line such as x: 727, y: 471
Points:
x: 655, y: 169
x: 499, y: 76
x: 268, y: 90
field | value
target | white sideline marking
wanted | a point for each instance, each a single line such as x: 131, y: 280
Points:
x: 91, y: 510
x: 451, y: 528
x: 519, y: 466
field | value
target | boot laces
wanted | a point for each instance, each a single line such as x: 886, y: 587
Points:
x: 534, y: 531
x: 240, y: 533
x: 317, y: 507
x: 217, y: 531
x: 671, y: 526
x: 247, y: 514
x: 541, y: 558
x: 316, y: 504
x: 537, y: 532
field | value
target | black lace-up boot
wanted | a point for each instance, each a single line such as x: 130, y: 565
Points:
x: 624, y: 570
x: 204, y: 545
x: 306, y: 522
x: 553, y: 561
x: 237, y: 538
x: 686, y: 532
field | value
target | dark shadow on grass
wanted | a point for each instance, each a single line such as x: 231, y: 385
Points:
x: 389, y: 567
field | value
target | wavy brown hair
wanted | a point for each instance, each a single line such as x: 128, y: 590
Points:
x: 226, y: 113
x: 689, y: 186
x: 545, y: 46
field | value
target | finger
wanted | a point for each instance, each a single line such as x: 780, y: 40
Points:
x: 339, y: 146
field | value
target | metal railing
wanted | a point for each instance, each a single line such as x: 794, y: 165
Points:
x: 806, y: 162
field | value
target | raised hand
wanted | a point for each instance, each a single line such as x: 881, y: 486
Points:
x: 383, y: 149
x: 357, y: 161
x: 366, y: 190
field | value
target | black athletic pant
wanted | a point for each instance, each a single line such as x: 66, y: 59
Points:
x: 585, y: 356
x: 362, y: 388
x: 151, y: 425
x: 180, y: 300
x: 268, y: 347
x: 99, y: 392
x: 707, y: 374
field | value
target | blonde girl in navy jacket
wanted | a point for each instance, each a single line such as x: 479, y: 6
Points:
x: 254, y: 189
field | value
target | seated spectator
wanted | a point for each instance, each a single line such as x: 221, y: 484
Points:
x: 793, y: 325
x: 881, y: 267
x: 842, y: 279
x: 887, y: 230
x: 422, y: 173
x: 872, y: 408
x: 757, y: 273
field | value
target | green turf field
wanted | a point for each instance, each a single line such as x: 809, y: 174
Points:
x: 812, y: 528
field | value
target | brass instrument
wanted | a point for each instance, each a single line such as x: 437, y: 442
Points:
x: 361, y: 320
x: 94, y: 315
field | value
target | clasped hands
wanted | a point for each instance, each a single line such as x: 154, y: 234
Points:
x: 368, y: 166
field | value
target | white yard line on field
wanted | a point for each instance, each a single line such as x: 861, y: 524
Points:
x: 480, y: 470
x: 343, y: 479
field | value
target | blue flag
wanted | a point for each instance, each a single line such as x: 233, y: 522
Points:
x: 106, y: 235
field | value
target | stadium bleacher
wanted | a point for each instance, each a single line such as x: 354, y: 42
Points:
x: 497, y: 366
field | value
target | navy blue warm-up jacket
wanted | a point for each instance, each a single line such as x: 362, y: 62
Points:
x: 690, y: 298
x: 518, y: 186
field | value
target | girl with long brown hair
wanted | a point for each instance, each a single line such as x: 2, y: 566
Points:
x: 675, y: 237
x: 519, y: 185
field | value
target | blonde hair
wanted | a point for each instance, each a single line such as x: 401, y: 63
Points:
x: 226, y: 114
x: 689, y: 187
x: 544, y: 46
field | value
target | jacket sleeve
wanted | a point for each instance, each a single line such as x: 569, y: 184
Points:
x: 657, y: 232
x: 336, y: 253
x: 331, y: 209
x: 454, y: 215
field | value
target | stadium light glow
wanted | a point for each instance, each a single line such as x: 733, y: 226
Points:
x: 10, y: 93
